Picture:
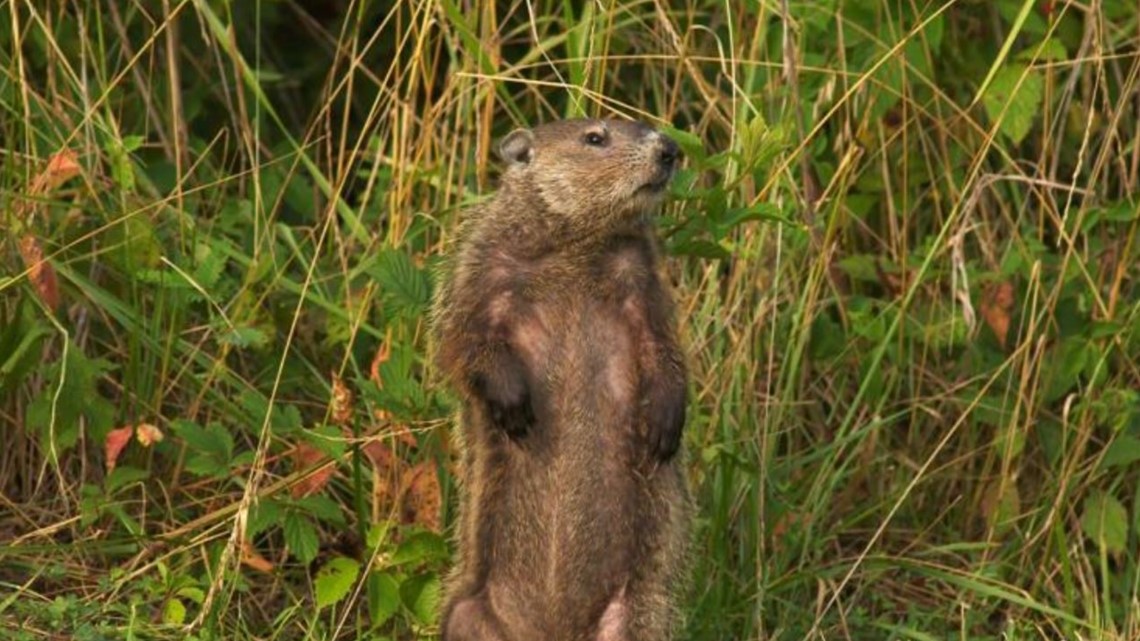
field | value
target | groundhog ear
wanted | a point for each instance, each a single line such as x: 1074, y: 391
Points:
x: 517, y: 148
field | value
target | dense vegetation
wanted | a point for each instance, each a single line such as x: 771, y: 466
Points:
x: 903, y: 246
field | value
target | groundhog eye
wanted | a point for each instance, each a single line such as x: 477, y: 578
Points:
x: 595, y: 139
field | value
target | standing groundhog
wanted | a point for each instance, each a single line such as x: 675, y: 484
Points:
x: 556, y: 329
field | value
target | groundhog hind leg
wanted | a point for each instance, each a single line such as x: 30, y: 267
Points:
x: 614, y: 624
x: 471, y: 620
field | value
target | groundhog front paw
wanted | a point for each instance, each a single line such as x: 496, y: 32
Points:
x: 507, y: 399
x: 664, y: 420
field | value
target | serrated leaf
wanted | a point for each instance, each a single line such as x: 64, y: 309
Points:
x: 1014, y: 98
x: 689, y: 143
x: 300, y: 536
x: 759, y: 211
x: 383, y: 597
x: 211, y: 448
x: 335, y: 580
x: 419, y: 548
x: 323, y: 508
x: 326, y: 438
x: 132, y: 143
x: 1123, y: 451
x: 377, y: 534
x: 121, y: 477
x: 210, y: 262
x: 55, y: 413
x: 1018, y: 21
x: 1068, y: 361
x: 1105, y: 521
x: 243, y: 337
x: 1049, y: 50
x: 118, y: 155
x: 1121, y: 212
x: 266, y: 513
x: 405, y: 288
x: 421, y: 595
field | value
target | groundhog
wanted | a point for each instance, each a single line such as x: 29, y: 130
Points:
x: 555, y: 328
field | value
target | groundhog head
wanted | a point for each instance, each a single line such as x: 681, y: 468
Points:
x: 591, y: 170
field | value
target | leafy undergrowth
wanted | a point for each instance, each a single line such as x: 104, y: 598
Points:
x: 903, y: 247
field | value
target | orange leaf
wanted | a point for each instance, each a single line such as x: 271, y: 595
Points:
x: 997, y: 302
x: 147, y: 434
x: 411, y: 490
x: 784, y: 525
x: 251, y: 557
x: 379, y: 453
x: 114, y: 443
x: 40, y: 272
x: 306, y: 456
x: 381, y: 357
x: 423, y: 498
x: 61, y: 167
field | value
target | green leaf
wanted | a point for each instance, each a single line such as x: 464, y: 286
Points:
x: 383, y: 597
x: 761, y: 144
x: 323, y: 508
x: 242, y: 337
x: 1069, y: 359
x: 19, y: 348
x: 1049, y: 50
x: 701, y: 249
x: 334, y: 580
x: 211, y: 449
x: 56, y: 412
x: 760, y: 211
x: 173, y: 612
x: 1018, y: 22
x: 689, y: 143
x: 378, y: 534
x: 419, y: 548
x: 133, y: 143
x: 118, y: 154
x: 405, y: 288
x: 1123, y: 451
x: 326, y: 438
x: 1013, y: 100
x: 121, y: 477
x: 1105, y: 521
x: 266, y: 513
x: 301, y: 536
x: 1121, y: 212
x: 421, y: 595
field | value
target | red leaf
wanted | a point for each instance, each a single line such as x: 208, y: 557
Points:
x: 306, y: 456
x: 40, y: 272
x: 115, y: 442
x: 251, y: 557
x: 997, y: 303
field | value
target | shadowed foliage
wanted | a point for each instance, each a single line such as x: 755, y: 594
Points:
x: 902, y: 246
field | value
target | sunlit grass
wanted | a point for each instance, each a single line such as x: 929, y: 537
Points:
x: 903, y: 253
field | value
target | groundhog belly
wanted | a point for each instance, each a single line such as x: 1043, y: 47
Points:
x: 575, y: 481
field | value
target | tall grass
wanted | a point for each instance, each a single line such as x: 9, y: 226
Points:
x: 903, y: 247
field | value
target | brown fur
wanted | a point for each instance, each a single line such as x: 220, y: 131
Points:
x: 555, y: 328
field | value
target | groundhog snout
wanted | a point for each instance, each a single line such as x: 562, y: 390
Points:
x: 669, y: 154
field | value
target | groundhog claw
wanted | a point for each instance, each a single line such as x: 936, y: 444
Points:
x: 508, y: 401
x: 664, y: 420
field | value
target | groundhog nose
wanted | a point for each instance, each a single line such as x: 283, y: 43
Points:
x: 670, y: 153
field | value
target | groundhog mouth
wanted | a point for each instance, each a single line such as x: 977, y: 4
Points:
x: 659, y: 183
